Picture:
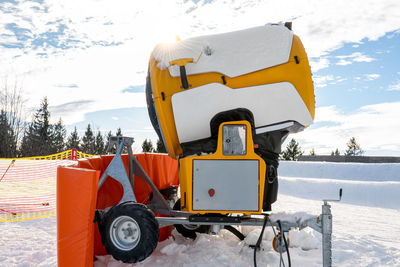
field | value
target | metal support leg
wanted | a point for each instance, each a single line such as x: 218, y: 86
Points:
x: 158, y: 203
x: 326, y: 219
x: 116, y: 170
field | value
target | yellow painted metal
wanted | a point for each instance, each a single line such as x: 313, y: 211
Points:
x: 164, y: 86
x: 181, y: 62
x: 186, y: 172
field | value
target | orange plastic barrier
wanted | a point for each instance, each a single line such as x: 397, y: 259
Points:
x: 76, y: 201
x: 162, y: 169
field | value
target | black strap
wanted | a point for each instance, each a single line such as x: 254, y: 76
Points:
x: 271, y: 173
x: 185, y: 83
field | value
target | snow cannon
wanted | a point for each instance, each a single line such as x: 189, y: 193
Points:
x: 222, y: 104
x: 258, y: 80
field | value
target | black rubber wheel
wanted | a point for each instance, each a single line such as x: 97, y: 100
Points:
x: 189, y: 230
x: 129, y: 232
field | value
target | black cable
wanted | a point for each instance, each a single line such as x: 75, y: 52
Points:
x: 276, y: 238
x: 257, y: 246
x: 286, y: 244
x: 235, y: 231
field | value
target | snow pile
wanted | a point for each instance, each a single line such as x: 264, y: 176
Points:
x: 220, y: 250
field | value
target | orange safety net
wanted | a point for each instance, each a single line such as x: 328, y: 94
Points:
x: 28, y: 186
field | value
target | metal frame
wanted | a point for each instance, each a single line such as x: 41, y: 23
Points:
x: 116, y: 170
x: 321, y: 224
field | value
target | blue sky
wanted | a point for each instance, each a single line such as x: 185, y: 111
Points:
x: 90, y: 59
x: 360, y: 74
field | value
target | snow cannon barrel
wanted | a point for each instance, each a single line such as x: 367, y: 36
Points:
x: 260, y: 74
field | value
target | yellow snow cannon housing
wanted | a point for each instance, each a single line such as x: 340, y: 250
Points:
x: 264, y: 70
x: 229, y: 181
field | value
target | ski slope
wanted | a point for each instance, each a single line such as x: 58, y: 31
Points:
x: 366, y: 225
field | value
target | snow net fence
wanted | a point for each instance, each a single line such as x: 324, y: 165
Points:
x: 28, y: 185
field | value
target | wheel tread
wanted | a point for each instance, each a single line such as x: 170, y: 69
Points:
x: 148, y: 227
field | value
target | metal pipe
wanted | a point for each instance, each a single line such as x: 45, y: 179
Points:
x: 166, y: 221
x: 326, y: 235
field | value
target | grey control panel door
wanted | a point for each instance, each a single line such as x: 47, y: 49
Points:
x: 226, y: 185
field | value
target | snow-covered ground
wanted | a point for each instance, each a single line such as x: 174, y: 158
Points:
x: 366, y: 225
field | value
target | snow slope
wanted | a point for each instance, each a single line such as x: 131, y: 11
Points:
x: 366, y: 225
x: 364, y: 184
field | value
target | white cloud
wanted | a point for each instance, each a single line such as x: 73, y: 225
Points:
x: 328, y: 114
x: 371, y: 77
x: 319, y: 64
x: 359, y: 57
x: 343, y: 62
x: 395, y: 86
x: 354, y: 57
x: 322, y: 81
x: 374, y: 126
x: 340, y: 79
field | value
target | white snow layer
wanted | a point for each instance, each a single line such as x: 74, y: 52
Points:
x: 365, y: 184
x: 366, y: 230
x: 254, y: 49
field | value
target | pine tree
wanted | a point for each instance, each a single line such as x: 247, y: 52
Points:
x: 38, y: 137
x: 160, y: 148
x: 73, y: 140
x: 147, y: 146
x: 27, y: 147
x: 353, y: 148
x: 3, y: 134
x: 292, y: 151
x: 108, y: 149
x: 99, y: 144
x: 335, y: 153
x: 8, y: 140
x: 59, y: 137
x: 119, y: 132
x: 312, y: 152
x: 88, y: 141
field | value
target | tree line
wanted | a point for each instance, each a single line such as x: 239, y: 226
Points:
x: 293, y: 150
x: 40, y: 137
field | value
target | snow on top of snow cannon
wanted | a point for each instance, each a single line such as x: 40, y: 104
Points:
x: 229, y: 53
